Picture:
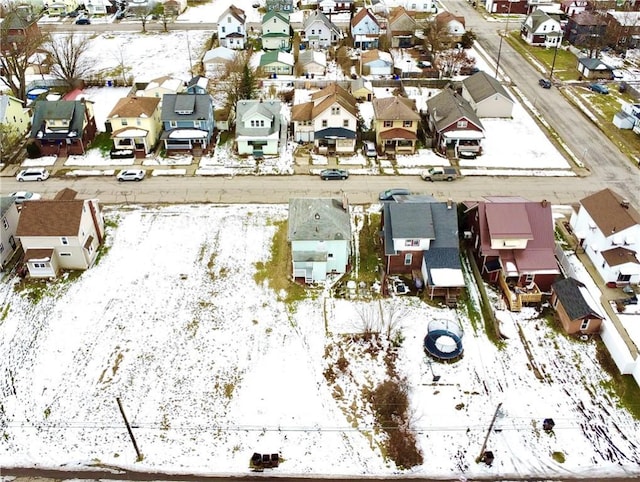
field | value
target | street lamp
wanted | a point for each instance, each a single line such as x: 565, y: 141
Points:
x: 506, y: 32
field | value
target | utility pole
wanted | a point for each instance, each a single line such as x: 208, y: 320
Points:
x: 126, y: 422
x: 506, y: 32
x: 484, y: 445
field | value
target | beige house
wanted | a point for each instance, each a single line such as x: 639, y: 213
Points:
x: 14, y: 118
x: 135, y: 124
x: 8, y: 242
x: 161, y: 86
x: 401, y: 28
x: 396, y: 124
x: 60, y: 234
x: 487, y: 96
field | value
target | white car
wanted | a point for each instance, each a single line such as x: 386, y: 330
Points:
x: 21, y: 196
x: 370, y: 149
x: 131, y: 175
x: 33, y: 174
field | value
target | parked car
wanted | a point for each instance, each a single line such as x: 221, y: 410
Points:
x: 544, y: 83
x: 131, y: 175
x: 83, y: 21
x: 389, y: 193
x: 21, y: 196
x: 330, y: 174
x: 599, y: 88
x: 439, y: 174
x: 370, y: 149
x: 33, y: 174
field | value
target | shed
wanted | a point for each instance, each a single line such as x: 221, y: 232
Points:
x: 591, y: 68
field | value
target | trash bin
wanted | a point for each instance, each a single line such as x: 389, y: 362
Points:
x: 109, y: 83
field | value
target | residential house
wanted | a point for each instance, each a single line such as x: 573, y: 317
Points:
x: 510, y: 7
x: 59, y: 8
x: 376, y: 62
x: 586, y: 29
x: 231, y: 28
x: 279, y: 6
x: 396, y: 125
x: 486, y: 96
x: 173, y: 8
x: 624, y: 26
x: 513, y: 242
x: 197, y: 85
x: 426, y: 6
x: 135, y: 124
x: 60, y: 234
x: 454, y: 25
x: 365, y: 30
x: 574, y: 7
x: 312, y: 62
x: 161, y: 86
x: 577, y: 311
x: 277, y: 63
x: 19, y: 30
x: 99, y: 7
x: 258, y: 127
x: 319, y: 231
x: 401, y: 28
x: 454, y: 125
x: 308, y: 3
x: 335, y: 6
x: 215, y: 61
x: 318, y: 32
x: 541, y: 29
x: 362, y: 89
x: 628, y: 117
x: 276, y: 32
x: 594, y: 69
x: 187, y: 122
x: 420, y: 240
x: 329, y: 120
x: 608, y: 230
x: 8, y: 242
x: 14, y: 117
x: 221, y: 118
x: 63, y: 127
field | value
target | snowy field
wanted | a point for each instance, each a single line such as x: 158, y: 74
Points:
x: 212, y: 367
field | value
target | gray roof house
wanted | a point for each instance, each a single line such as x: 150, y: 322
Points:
x: 8, y: 241
x: 420, y: 236
x: 591, y: 68
x: 319, y: 231
x: 577, y: 310
x: 258, y: 127
x: 487, y: 96
x: 319, y: 32
x: 187, y: 122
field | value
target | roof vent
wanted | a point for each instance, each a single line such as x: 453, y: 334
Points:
x: 625, y: 203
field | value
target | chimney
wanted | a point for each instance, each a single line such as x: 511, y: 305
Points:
x: 544, y: 203
x: 625, y: 203
x: 449, y: 203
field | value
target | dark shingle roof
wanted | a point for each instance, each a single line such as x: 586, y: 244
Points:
x: 570, y: 292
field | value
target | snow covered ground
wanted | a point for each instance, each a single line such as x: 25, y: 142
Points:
x: 212, y: 367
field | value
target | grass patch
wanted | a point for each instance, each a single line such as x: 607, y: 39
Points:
x: 103, y: 142
x: 565, y: 66
x: 370, y: 247
x: 5, y: 312
x: 558, y: 457
x: 623, y: 387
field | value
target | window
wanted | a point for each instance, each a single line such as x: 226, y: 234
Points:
x: 411, y: 242
x: 345, y: 123
x: 462, y: 124
x: 329, y: 255
x: 223, y: 29
x: 407, y: 124
x: 253, y: 123
x: 407, y: 259
x: 65, y: 254
x: 124, y: 122
x: 1, y: 248
x: 528, y: 279
x: 335, y: 111
x: 64, y: 240
x: 624, y: 278
x: 40, y: 265
x: 238, y: 29
x: 228, y: 19
x: 388, y: 124
x: 585, y: 324
x: 313, y: 32
x: 5, y: 223
x: 138, y: 122
x: 173, y: 124
x: 324, y: 123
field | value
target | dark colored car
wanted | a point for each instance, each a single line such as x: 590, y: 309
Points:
x: 83, y: 21
x: 330, y: 174
x: 599, y: 88
x: 545, y: 83
x: 389, y: 193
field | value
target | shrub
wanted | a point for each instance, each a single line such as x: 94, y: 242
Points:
x: 33, y: 150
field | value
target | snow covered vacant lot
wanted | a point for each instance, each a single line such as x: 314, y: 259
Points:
x: 211, y: 367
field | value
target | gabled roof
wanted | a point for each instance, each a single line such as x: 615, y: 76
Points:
x: 72, y: 110
x: 329, y: 101
x: 538, y: 17
x: 5, y: 203
x: 50, y: 218
x: 447, y: 107
x: 275, y: 13
x: 310, y: 56
x: 482, y: 86
x: 332, y: 89
x: 219, y: 54
x: 318, y: 16
x: 270, y: 109
x: 194, y: 106
x: 17, y: 21
x: 588, y: 19
x: 165, y: 82
x: 576, y: 299
x: 444, y: 18
x: 360, y: 15
x: 302, y: 112
x: 394, y: 108
x: 397, y: 13
x: 608, y: 211
x: 235, y: 12
x: 5, y: 99
x: 318, y: 219
x: 135, y: 107
x: 276, y: 56
x: 619, y: 255
x: 375, y: 54
x: 594, y: 64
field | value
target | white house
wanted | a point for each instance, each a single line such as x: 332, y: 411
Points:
x: 231, y: 28
x: 8, y: 241
x: 98, y: 7
x: 258, y: 126
x: 540, y: 28
x: 429, y: 6
x: 628, y: 117
x: 608, y: 230
x: 319, y: 231
x: 215, y: 60
x: 319, y: 32
x: 313, y: 62
x: 376, y: 62
x: 275, y: 31
x: 487, y: 96
x: 365, y: 30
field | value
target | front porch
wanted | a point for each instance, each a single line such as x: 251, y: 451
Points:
x: 518, y: 294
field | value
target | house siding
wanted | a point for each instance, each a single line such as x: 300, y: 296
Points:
x: 9, y: 242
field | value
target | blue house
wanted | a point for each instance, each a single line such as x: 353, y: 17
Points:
x: 187, y: 122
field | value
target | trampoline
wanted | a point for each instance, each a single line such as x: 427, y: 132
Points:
x: 443, y: 340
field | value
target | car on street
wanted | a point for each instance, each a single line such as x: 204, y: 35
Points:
x: 83, y: 21
x: 544, y: 83
x: 599, y: 88
x: 33, y: 174
x: 21, y: 196
x: 131, y: 175
x: 389, y: 193
x: 331, y: 174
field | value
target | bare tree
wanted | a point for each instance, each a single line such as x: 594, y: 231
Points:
x: 68, y: 57
x: 238, y: 80
x: 436, y: 37
x: 449, y: 62
x: 16, y: 49
x: 143, y: 13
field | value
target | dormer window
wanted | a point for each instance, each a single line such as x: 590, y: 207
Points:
x: 462, y: 124
x: 335, y: 111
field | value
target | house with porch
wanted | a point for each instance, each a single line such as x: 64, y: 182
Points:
x: 277, y: 62
x: 607, y: 227
x: 135, y: 124
x: 187, y: 122
x: 9, y: 244
x: 276, y: 32
x: 541, y: 29
x: 486, y: 96
x: 312, y: 62
x: 365, y: 30
x: 420, y: 240
x: 329, y: 120
x: 513, y: 242
x: 60, y: 234
x: 453, y: 124
x: 232, y: 32
x: 59, y: 8
x: 396, y: 123
x: 319, y: 231
x: 258, y: 127
x: 63, y: 127
x: 318, y: 32
x: 376, y: 62
x: 576, y: 309
x: 100, y: 7
x: 401, y: 28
